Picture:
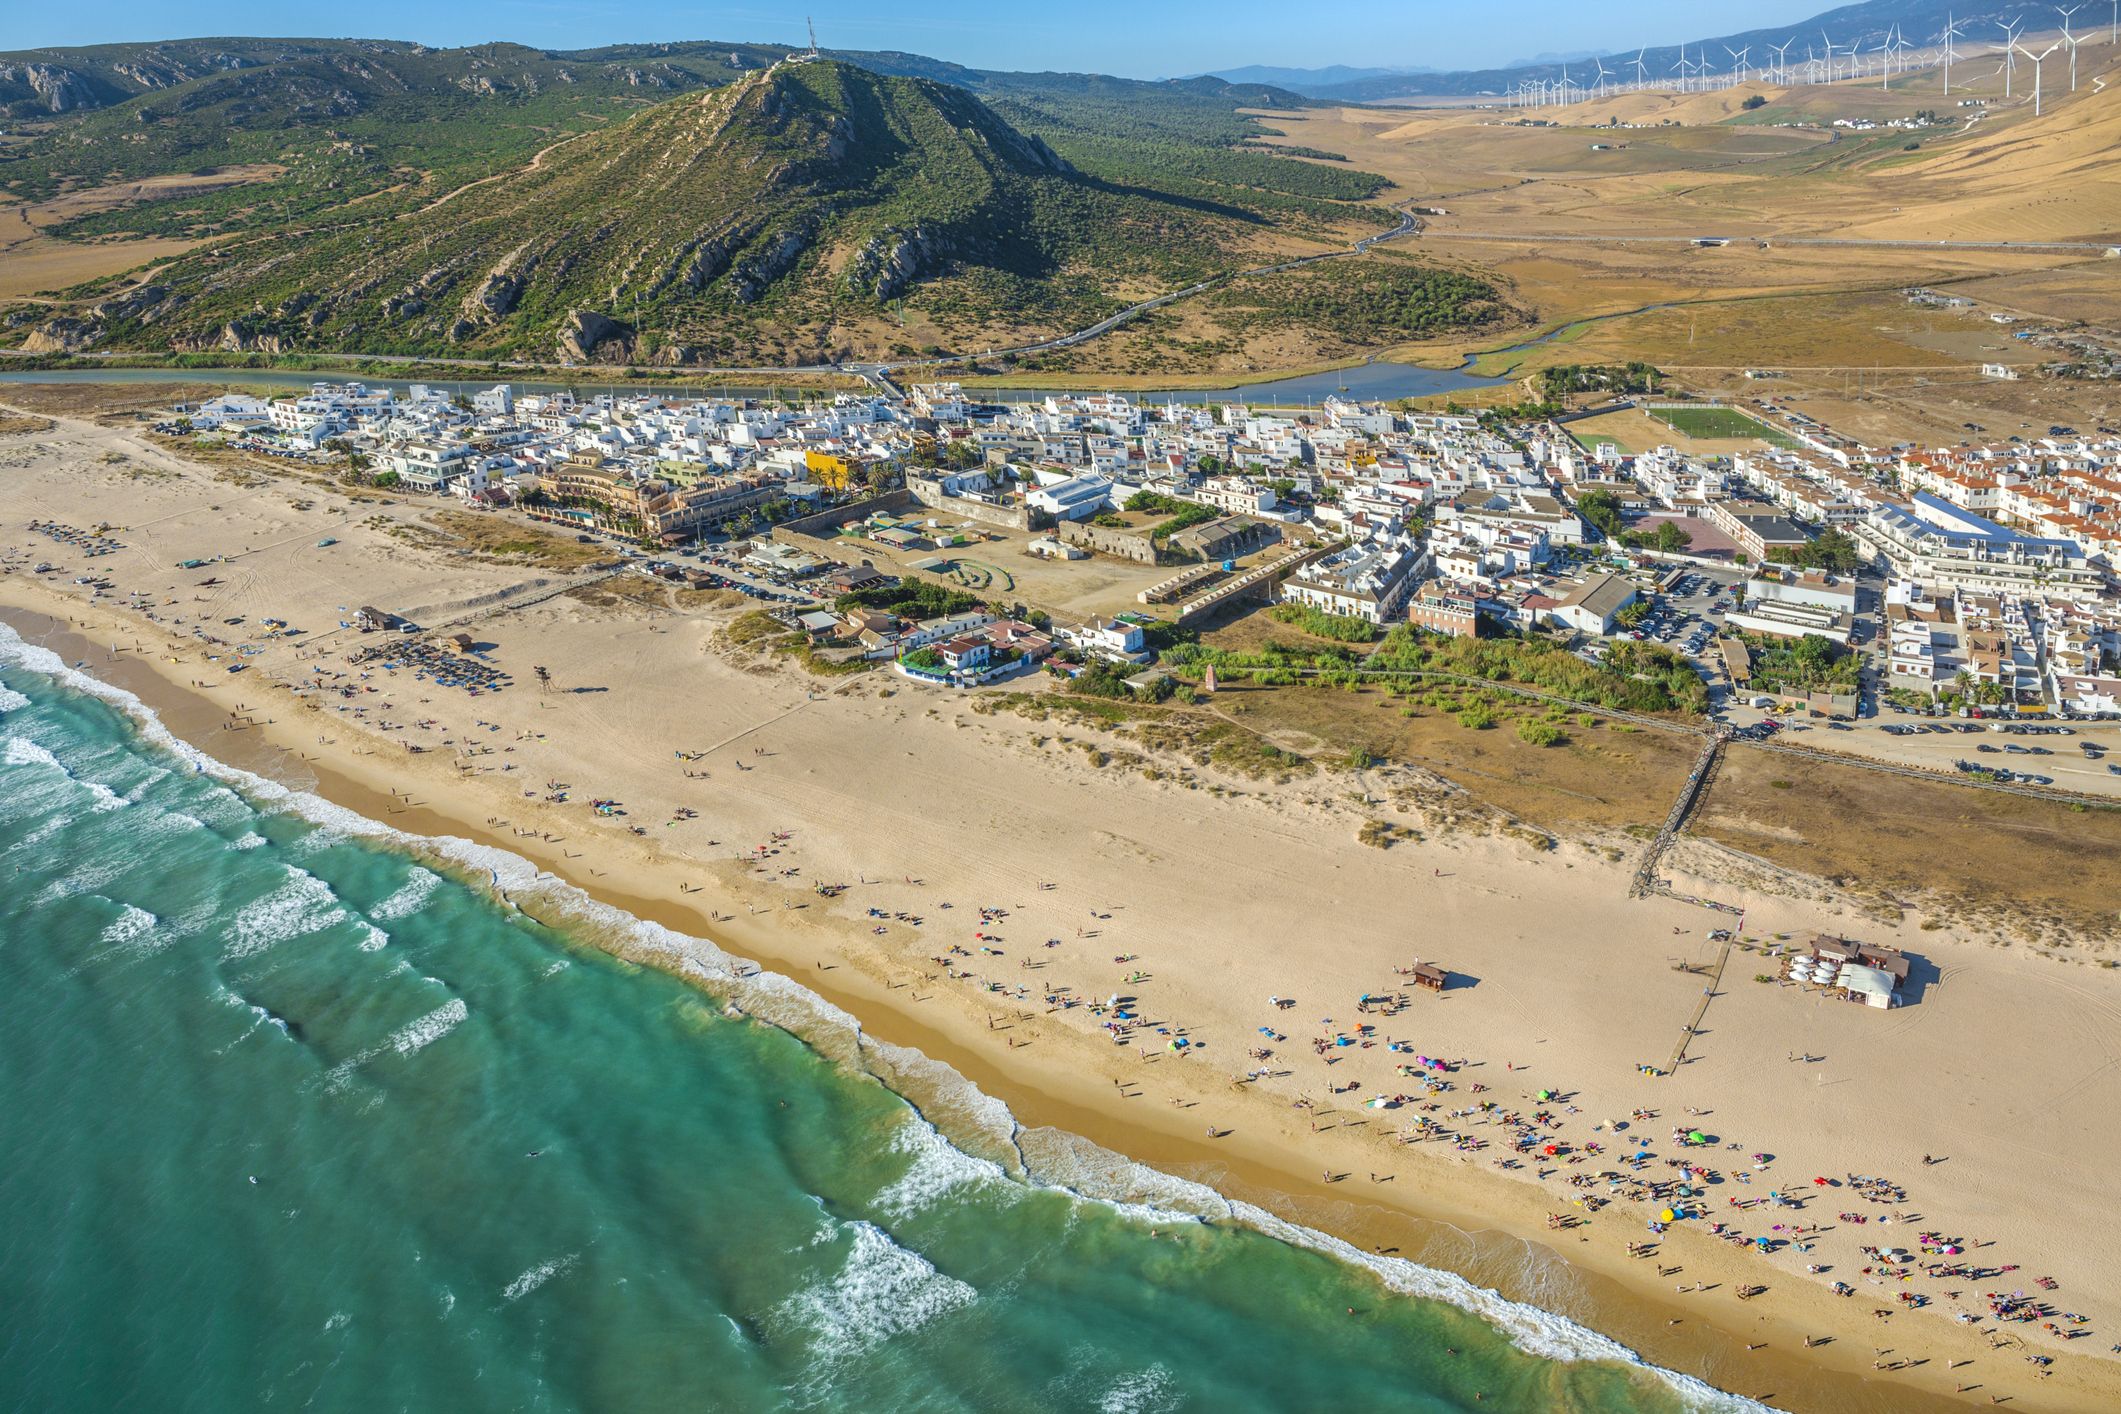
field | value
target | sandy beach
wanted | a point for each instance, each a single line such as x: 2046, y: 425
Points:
x: 1043, y: 882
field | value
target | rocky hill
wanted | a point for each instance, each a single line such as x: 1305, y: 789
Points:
x: 773, y: 219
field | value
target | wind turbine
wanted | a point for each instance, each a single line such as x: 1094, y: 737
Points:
x: 1782, y: 64
x: 1951, y: 32
x: 2010, y: 52
x: 2036, y: 58
x: 1884, y: 51
x: 1602, y: 75
x: 1642, y: 76
x: 2071, y: 41
x: 1829, y: 55
x: 1740, y: 55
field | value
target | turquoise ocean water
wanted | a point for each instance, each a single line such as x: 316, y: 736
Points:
x: 299, y: 1114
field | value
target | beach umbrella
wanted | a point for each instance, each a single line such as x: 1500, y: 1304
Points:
x: 1668, y: 1216
x: 1551, y: 1150
x: 1546, y: 1094
x: 1694, y: 1137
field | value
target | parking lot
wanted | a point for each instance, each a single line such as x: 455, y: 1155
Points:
x: 716, y: 559
x: 725, y: 571
x: 1688, y: 619
x: 2077, y: 756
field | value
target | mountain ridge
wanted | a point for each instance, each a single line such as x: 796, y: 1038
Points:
x: 61, y: 80
x: 801, y: 199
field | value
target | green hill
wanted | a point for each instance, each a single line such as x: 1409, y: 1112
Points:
x: 316, y: 125
x: 775, y: 219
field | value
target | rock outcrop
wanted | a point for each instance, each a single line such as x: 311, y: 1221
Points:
x: 894, y: 260
x: 589, y: 337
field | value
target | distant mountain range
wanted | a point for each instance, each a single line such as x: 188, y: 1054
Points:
x: 1866, y: 24
x: 1302, y: 79
x: 36, y: 83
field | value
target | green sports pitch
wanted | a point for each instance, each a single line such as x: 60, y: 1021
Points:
x: 1710, y: 422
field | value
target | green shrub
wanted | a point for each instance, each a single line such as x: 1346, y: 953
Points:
x: 1344, y: 628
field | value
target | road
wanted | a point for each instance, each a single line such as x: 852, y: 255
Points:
x: 2064, y: 247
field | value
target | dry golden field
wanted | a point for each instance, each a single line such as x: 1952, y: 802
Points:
x: 1577, y: 233
x: 2041, y: 862
x: 32, y: 261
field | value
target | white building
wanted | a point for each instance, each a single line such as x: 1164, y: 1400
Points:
x: 1371, y: 582
x: 1071, y: 498
x: 1236, y: 495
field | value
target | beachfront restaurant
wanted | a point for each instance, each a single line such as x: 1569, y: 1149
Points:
x: 1868, y: 985
x: 1870, y: 973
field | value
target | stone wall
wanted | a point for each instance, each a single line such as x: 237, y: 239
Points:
x: 929, y: 493
x: 825, y: 524
x: 1124, y: 544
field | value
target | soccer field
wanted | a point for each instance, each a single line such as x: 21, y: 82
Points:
x: 1717, y: 423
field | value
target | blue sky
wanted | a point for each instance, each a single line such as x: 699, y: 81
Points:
x: 1141, y: 38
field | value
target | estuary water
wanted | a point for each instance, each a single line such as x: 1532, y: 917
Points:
x: 1377, y: 380
x: 300, y: 1113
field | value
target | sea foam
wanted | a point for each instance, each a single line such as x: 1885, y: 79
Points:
x: 938, y: 1168
x: 882, y: 1290
x: 303, y: 904
x: 1139, y: 1392
x: 21, y: 751
x: 417, y: 1036
x: 408, y: 897
x: 129, y: 927
x: 537, y: 1276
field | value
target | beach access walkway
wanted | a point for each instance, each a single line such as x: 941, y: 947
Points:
x: 1646, y: 881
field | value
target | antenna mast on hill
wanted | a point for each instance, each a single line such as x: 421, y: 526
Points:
x: 813, y: 35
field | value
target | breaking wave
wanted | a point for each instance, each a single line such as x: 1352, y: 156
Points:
x: 882, y: 1290
x: 537, y: 1276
